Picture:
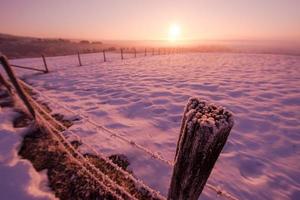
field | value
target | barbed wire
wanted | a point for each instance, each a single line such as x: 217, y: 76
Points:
x: 76, y: 152
x: 111, y: 132
x: 49, y: 127
x: 125, y: 173
x: 120, y: 137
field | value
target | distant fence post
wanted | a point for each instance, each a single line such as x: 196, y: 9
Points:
x: 122, y: 54
x: 145, y: 51
x: 152, y: 51
x: 45, y: 63
x: 204, y: 131
x: 79, y: 59
x: 134, y: 52
x: 13, y: 79
x: 104, y: 57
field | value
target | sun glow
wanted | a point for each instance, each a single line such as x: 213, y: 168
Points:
x: 174, y: 32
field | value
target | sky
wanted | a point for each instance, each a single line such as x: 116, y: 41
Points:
x: 153, y: 19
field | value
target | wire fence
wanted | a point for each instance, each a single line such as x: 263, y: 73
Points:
x: 105, y: 54
x: 92, y: 170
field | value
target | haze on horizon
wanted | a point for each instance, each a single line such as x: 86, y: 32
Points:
x: 152, y: 19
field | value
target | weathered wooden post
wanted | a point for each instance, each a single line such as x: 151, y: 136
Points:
x: 152, y: 51
x: 13, y: 79
x: 45, y: 63
x: 145, y: 51
x: 204, y: 131
x: 122, y: 54
x: 79, y: 59
x: 104, y: 56
x: 134, y: 52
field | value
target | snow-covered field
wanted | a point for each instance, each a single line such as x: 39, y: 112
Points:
x: 143, y: 99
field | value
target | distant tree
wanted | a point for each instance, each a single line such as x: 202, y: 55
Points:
x: 84, y: 42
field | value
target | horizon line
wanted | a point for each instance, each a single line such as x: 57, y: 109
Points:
x: 157, y: 40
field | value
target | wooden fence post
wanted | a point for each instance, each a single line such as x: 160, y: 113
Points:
x: 134, y: 52
x: 104, y: 56
x: 79, y: 59
x: 152, y: 51
x: 45, y: 63
x: 13, y: 79
x: 204, y: 131
x: 122, y: 54
x: 145, y: 51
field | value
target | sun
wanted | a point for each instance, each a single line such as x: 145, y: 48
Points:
x: 174, y: 32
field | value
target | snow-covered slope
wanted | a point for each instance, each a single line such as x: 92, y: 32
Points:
x: 144, y: 98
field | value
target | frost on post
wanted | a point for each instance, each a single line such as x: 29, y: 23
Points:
x: 204, y: 131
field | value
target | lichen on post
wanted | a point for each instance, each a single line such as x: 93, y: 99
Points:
x: 204, y: 131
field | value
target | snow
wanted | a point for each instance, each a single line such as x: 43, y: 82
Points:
x: 143, y: 99
x: 19, y: 180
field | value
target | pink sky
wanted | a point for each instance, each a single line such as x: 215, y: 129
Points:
x: 151, y: 19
